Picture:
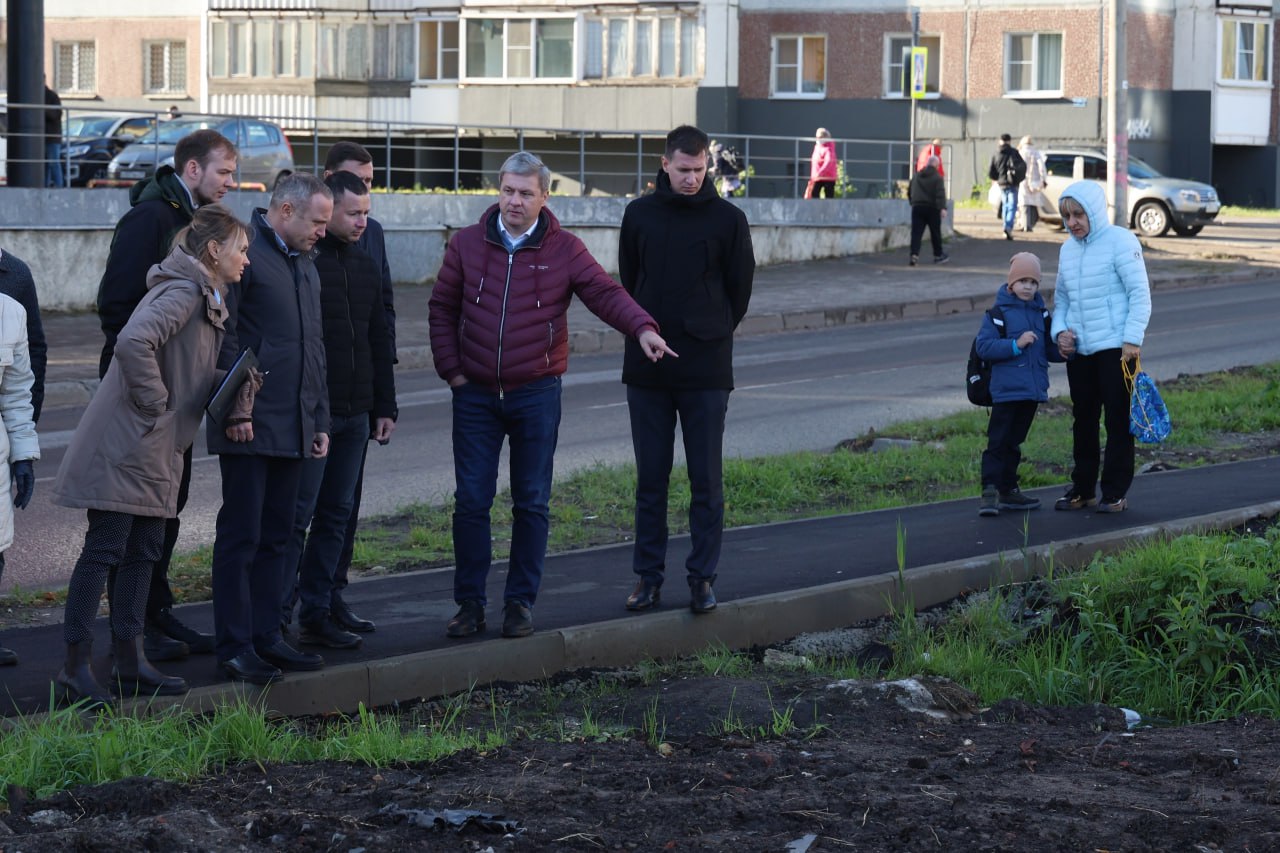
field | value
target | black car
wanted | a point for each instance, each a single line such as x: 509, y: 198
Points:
x: 92, y: 140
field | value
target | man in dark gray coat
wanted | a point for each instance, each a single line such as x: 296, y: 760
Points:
x: 275, y: 311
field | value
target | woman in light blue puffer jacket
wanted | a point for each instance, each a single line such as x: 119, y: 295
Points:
x: 1102, y: 303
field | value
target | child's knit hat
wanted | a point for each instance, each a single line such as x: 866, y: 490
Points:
x: 1024, y: 265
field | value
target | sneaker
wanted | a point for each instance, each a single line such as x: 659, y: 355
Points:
x: 942, y: 259
x: 1112, y: 505
x: 914, y: 259
x: 1016, y: 500
x: 987, y: 507
x: 1074, y: 500
x: 1008, y: 235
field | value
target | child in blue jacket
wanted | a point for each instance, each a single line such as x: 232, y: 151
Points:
x: 1014, y: 339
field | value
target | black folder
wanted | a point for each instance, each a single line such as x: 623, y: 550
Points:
x: 224, y: 395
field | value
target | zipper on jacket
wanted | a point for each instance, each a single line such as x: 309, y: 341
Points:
x: 351, y: 326
x: 551, y: 339
x: 502, y: 319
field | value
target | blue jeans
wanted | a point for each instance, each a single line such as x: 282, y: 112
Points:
x: 1010, y: 206
x: 326, y: 495
x: 529, y: 417
x: 53, y: 165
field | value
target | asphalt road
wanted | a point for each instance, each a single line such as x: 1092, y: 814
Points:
x: 796, y: 391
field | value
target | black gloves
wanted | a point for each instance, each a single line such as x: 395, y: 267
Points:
x: 24, y: 477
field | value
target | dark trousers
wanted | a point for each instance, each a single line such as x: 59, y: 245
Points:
x: 259, y: 495
x: 922, y: 215
x: 1006, y: 430
x: 159, y: 593
x: 123, y: 544
x: 529, y: 418
x: 1030, y: 216
x: 343, y: 568
x: 324, y: 505
x: 824, y: 189
x: 1098, y: 391
x: 701, y: 413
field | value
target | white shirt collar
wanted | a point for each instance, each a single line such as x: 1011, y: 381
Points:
x: 516, y: 241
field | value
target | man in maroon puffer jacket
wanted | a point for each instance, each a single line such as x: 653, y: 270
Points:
x: 500, y: 338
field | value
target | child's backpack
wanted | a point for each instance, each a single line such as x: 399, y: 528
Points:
x: 977, y: 373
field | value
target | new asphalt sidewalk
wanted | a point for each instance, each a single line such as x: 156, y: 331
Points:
x: 776, y: 581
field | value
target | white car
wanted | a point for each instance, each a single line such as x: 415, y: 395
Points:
x: 1156, y: 202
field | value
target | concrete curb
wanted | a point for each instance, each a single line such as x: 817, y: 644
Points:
x: 747, y: 622
x: 78, y: 392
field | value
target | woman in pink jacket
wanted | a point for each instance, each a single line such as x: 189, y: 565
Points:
x: 822, y: 166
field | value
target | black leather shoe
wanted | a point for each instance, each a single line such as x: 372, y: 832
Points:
x: 329, y: 634
x: 647, y: 594
x: 8, y: 657
x: 467, y: 621
x: 517, y: 620
x: 341, y: 613
x: 251, y: 668
x: 288, y: 658
x: 197, y: 643
x: 701, y: 598
x: 160, y: 646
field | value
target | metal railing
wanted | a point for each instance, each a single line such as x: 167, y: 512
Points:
x: 454, y: 157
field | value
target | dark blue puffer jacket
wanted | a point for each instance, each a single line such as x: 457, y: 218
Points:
x: 1025, y: 375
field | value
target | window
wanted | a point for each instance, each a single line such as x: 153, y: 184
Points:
x: 393, y: 51
x: 897, y: 65
x: 1033, y: 63
x: 238, y: 48
x: 74, y: 69
x: 520, y: 48
x: 343, y: 52
x: 1245, y: 54
x: 622, y: 47
x: 294, y: 47
x: 260, y: 135
x: 799, y: 66
x: 165, y: 68
x: 263, y: 42
x: 438, y: 50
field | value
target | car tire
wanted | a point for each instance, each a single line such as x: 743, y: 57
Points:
x: 1151, y: 219
x: 1187, y: 230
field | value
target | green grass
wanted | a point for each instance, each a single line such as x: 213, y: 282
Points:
x: 1248, y: 212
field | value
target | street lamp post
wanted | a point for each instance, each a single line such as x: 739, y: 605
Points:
x: 1117, y: 114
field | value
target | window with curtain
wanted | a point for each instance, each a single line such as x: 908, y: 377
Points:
x: 554, y: 47
x: 1033, y: 63
x: 592, y: 49
x: 643, y: 66
x: 896, y: 67
x: 238, y: 47
x: 286, y: 48
x: 667, y: 47
x: 75, y: 67
x: 355, y: 64
x: 688, y: 47
x: 218, y: 49
x: 328, y: 49
x: 619, y: 47
x: 799, y: 67
x: 165, y: 68
x: 1245, y: 54
x: 438, y: 50
x: 263, y: 36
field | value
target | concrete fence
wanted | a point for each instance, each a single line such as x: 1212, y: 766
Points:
x: 65, y: 235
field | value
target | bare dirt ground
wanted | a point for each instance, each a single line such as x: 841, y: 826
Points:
x: 776, y: 760
x: 862, y: 772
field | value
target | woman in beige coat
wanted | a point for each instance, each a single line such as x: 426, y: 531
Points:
x: 19, y: 446
x: 125, y: 459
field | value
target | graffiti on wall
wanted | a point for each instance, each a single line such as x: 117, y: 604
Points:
x: 1139, y: 128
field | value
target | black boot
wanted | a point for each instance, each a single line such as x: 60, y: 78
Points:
x: 134, y: 675
x: 77, y: 681
x: 8, y: 657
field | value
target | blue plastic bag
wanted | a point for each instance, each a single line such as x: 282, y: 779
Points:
x: 1148, y: 415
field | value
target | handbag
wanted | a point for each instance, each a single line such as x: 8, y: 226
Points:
x: 1148, y: 415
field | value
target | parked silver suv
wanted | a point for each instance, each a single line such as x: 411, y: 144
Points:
x: 265, y: 152
x: 1156, y: 202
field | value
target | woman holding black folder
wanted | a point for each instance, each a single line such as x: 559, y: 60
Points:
x: 125, y: 460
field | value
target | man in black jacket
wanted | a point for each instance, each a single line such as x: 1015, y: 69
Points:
x: 685, y: 255
x: 275, y: 310
x: 53, y: 176
x: 204, y: 170
x: 1007, y: 169
x: 361, y: 389
x: 346, y: 156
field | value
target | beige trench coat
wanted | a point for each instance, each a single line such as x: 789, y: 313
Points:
x: 126, y: 454
x: 18, y: 438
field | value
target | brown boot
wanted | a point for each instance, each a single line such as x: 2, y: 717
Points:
x: 77, y: 681
x: 134, y: 675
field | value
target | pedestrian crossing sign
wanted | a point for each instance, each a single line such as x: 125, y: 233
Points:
x: 919, y: 71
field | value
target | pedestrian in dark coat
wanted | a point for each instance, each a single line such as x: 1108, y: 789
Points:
x: 53, y: 176
x: 928, y: 195
x: 17, y: 283
x: 500, y: 338
x: 204, y: 170
x: 275, y: 311
x: 125, y: 461
x: 686, y: 257
x: 361, y: 390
